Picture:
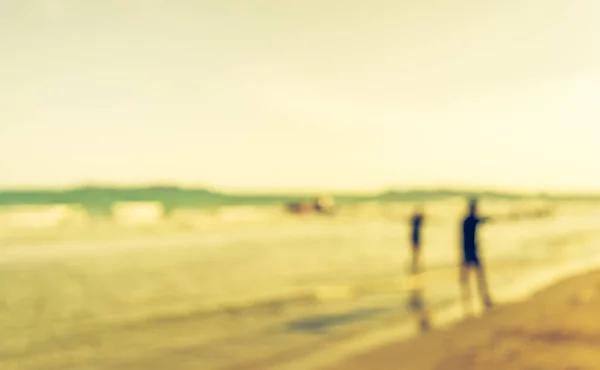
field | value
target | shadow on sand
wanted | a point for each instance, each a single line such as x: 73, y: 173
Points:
x: 321, y: 323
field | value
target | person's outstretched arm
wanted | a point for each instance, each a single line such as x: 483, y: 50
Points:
x: 487, y: 219
x: 495, y: 219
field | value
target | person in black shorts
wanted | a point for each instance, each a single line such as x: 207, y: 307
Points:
x: 470, y: 257
x: 416, y: 222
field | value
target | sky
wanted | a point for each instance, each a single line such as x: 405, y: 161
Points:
x: 301, y: 94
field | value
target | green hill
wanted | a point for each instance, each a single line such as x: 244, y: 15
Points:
x: 100, y: 199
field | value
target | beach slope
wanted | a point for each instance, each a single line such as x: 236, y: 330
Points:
x: 557, y: 328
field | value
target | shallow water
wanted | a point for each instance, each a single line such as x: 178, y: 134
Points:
x: 233, y: 300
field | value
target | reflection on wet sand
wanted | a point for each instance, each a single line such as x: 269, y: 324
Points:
x: 417, y: 305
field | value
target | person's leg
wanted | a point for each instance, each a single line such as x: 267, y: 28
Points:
x: 482, y: 284
x: 415, y: 258
x: 465, y: 288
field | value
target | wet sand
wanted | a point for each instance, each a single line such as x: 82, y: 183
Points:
x: 557, y: 328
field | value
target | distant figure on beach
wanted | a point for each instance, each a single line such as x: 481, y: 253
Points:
x: 416, y: 222
x: 471, y: 259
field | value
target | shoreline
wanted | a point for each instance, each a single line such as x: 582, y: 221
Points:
x: 561, y: 313
x: 407, y: 330
x: 352, y: 273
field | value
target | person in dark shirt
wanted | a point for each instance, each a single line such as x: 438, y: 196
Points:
x: 470, y: 257
x: 416, y: 223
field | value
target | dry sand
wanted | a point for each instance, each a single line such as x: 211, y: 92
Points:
x: 557, y: 328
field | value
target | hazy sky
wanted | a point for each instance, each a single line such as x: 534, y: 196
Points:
x: 301, y: 93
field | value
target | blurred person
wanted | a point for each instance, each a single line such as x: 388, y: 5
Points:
x: 470, y: 257
x: 416, y: 223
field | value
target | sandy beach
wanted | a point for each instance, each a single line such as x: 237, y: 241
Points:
x: 557, y: 328
x: 302, y: 294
